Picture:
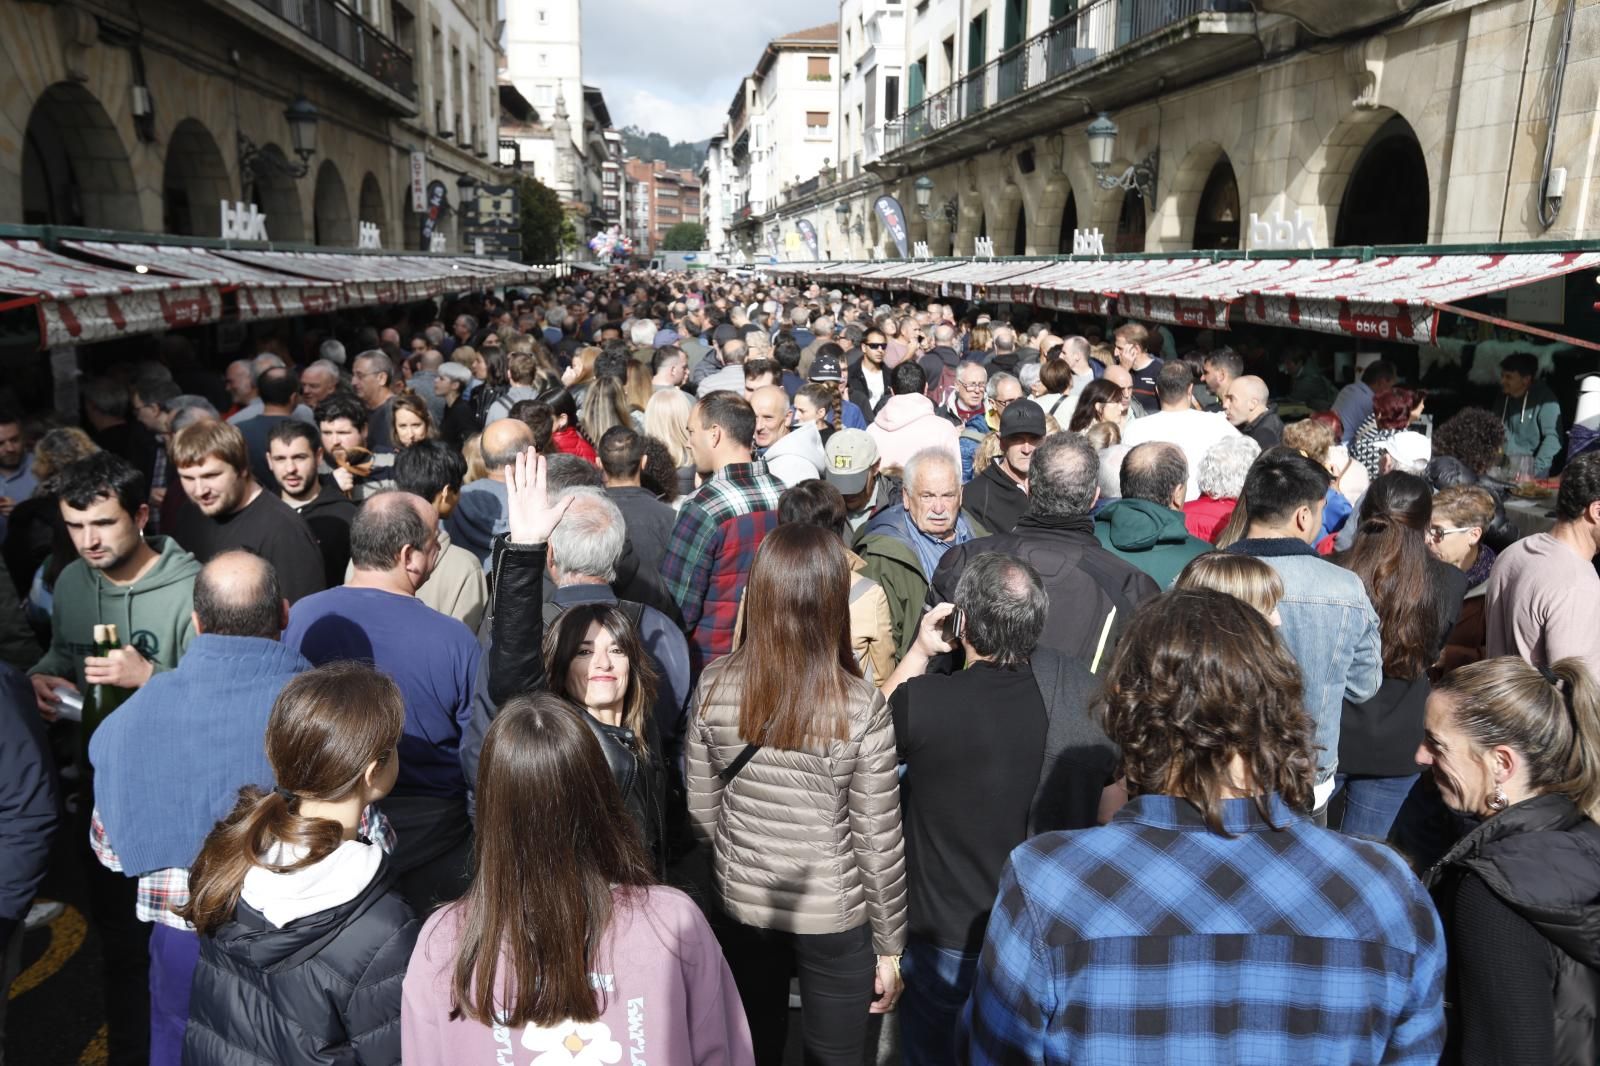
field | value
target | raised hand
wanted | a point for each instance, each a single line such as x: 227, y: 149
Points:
x: 530, y: 513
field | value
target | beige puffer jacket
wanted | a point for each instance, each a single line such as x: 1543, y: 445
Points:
x: 802, y: 842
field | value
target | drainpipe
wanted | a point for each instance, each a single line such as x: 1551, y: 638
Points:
x: 1550, y: 205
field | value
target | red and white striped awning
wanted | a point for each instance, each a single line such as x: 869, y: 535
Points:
x: 261, y: 293
x: 79, y: 302
x: 1392, y: 297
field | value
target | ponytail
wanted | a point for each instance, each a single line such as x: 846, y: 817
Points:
x: 258, y: 820
x: 1580, y: 696
x: 327, y: 727
x: 1391, y: 558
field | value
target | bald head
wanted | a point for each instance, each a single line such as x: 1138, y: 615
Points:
x: 771, y: 405
x: 237, y: 595
x: 1246, y: 400
x: 1157, y: 473
x: 391, y: 529
x: 1119, y: 376
x: 502, y: 442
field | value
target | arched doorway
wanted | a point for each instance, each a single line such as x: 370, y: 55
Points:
x: 273, y: 191
x: 983, y: 225
x: 330, y: 213
x: 1216, y: 221
x: 1019, y: 243
x: 75, y: 169
x: 193, y: 182
x: 1386, y: 200
x: 370, y: 208
x: 1069, y: 226
x: 1131, y: 223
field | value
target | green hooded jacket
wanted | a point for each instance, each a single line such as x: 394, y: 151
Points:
x: 152, y: 614
x: 1533, y: 426
x: 1148, y: 536
x: 894, y: 566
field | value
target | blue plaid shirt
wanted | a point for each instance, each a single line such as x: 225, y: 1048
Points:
x: 1155, y: 940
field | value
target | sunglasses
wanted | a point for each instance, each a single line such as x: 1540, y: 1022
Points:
x: 1438, y: 533
x: 869, y: 344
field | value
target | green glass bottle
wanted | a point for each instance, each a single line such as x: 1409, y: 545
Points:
x: 100, y: 700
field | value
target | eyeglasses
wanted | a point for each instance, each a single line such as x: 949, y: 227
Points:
x: 1438, y: 533
x: 1001, y: 405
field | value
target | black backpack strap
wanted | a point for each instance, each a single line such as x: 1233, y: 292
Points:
x: 733, y: 768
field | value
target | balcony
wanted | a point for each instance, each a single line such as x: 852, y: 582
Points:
x: 1115, y: 51
x: 353, y: 42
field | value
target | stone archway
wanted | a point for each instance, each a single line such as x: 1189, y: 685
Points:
x: 1019, y: 240
x: 274, y: 192
x: 1317, y: 188
x: 194, y: 182
x: 331, y: 223
x: 1202, y: 210
x: 1216, y: 218
x: 1069, y: 225
x: 1132, y: 223
x: 75, y: 167
x: 370, y: 208
x: 1385, y: 199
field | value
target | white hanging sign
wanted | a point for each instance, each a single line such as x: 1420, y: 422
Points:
x: 1275, y: 231
x: 1088, y: 242
x: 242, y: 222
x: 437, y: 244
x: 983, y: 248
x: 371, y: 236
x: 419, y: 182
x: 919, y: 250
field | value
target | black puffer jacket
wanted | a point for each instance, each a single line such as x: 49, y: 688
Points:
x: 1519, y: 898
x: 323, y: 989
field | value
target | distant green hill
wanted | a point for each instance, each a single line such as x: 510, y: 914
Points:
x: 637, y: 144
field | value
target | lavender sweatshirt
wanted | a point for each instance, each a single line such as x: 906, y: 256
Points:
x: 665, y: 993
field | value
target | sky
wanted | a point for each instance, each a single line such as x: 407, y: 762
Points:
x: 673, y: 68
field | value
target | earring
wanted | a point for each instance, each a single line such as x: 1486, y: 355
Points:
x: 1498, y: 800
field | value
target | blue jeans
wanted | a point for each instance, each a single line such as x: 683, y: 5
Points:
x: 1371, y: 803
x: 938, y: 981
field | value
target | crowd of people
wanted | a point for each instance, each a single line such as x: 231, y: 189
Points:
x: 581, y: 672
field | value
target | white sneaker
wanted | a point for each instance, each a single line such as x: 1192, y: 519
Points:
x: 43, y: 912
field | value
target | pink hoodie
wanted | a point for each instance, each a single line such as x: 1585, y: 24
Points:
x: 906, y: 425
x: 665, y: 993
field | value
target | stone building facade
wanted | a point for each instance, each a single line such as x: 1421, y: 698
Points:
x: 1332, y: 123
x: 144, y: 124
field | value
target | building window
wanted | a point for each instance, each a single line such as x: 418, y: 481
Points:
x: 817, y: 69
x: 891, y: 97
x: 816, y: 123
x: 544, y: 16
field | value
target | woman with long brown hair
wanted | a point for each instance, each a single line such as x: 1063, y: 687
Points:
x: 793, y: 785
x: 564, y: 946
x: 1517, y: 748
x: 1100, y: 401
x: 1418, y: 600
x: 410, y: 421
x: 302, y: 944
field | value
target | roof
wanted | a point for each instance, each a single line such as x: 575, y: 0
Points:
x: 1381, y: 296
x: 596, y: 100
x: 827, y: 34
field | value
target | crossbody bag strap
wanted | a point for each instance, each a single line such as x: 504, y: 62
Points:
x: 733, y: 768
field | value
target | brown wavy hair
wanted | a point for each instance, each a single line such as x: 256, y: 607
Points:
x: 1199, y: 679
x: 553, y: 838
x: 566, y: 636
x: 327, y: 726
x: 1391, y: 558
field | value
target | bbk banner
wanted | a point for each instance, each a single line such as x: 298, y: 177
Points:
x: 808, y: 233
x: 435, y: 211
x: 893, y: 219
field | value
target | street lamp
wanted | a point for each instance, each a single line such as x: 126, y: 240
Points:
x: 842, y: 212
x: 253, y: 161
x: 922, y: 190
x: 1140, y: 176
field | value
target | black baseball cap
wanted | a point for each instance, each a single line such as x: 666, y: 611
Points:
x: 1022, y: 416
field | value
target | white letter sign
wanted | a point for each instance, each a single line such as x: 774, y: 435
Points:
x: 243, y: 222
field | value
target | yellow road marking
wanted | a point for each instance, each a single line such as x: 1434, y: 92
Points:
x: 96, y: 1054
x: 66, y: 937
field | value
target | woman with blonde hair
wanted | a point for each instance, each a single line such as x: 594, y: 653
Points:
x: 477, y: 469
x: 580, y: 372
x: 666, y: 418
x: 639, y: 389
x: 1243, y: 577
x: 792, y: 784
x: 604, y: 406
x: 1517, y: 748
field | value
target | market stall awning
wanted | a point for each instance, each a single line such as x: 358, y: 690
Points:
x: 79, y: 302
x: 261, y: 293
x: 1386, y: 297
x: 388, y: 279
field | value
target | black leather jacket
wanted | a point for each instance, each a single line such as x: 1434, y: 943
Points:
x: 513, y: 633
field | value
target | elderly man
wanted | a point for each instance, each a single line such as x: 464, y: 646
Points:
x: 318, y: 381
x: 376, y: 617
x: 480, y: 513
x: 730, y: 376
x: 1092, y: 592
x: 993, y: 754
x: 201, y: 723
x: 792, y: 455
x: 372, y: 377
x: 999, y: 495
x: 967, y: 406
x: 1146, y: 526
x: 1245, y: 404
x: 1178, y: 422
x: 902, y: 545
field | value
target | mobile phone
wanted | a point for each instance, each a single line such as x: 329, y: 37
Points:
x: 954, y: 624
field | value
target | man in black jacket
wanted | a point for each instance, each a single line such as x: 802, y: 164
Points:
x: 994, y: 754
x: 868, y: 378
x: 999, y: 494
x: 28, y: 817
x: 1092, y: 592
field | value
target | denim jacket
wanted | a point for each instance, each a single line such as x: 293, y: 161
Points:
x: 1331, y: 630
